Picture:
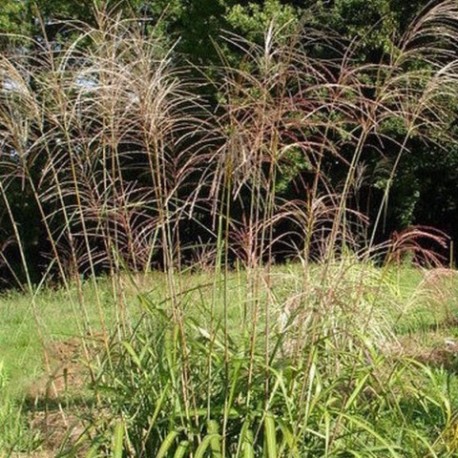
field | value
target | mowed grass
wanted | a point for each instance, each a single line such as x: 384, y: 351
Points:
x: 31, y: 324
x: 417, y: 310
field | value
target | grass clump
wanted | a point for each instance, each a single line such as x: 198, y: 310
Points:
x: 320, y: 383
x: 125, y: 167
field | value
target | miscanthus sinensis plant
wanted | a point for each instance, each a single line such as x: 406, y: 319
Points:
x: 126, y: 165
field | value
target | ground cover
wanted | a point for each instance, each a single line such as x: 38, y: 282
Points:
x: 54, y: 349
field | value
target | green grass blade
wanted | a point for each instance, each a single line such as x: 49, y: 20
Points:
x: 215, y: 441
x: 132, y: 354
x: 288, y: 440
x: 181, y: 449
x: 271, y: 439
x: 200, y: 452
x: 361, y: 384
x: 118, y: 439
x: 167, y: 444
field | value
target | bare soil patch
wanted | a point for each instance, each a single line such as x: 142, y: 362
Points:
x: 58, y: 400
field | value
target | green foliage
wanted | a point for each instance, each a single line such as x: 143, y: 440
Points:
x: 317, y: 384
x: 373, y: 22
x: 252, y: 20
x: 15, y: 20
